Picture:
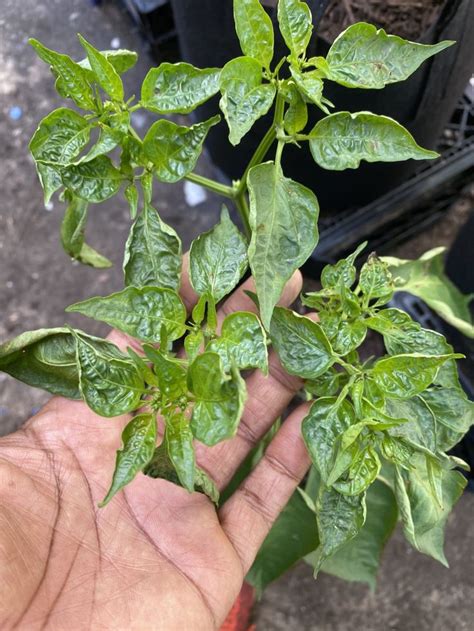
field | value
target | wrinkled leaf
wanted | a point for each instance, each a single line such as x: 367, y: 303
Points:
x: 170, y: 372
x: 152, y: 253
x: 296, y: 116
x: 323, y: 426
x: 218, y: 259
x: 178, y: 88
x: 174, y: 149
x: 375, y: 280
x: 140, y: 312
x: 244, y: 98
x: 296, y: 25
x: 109, y: 380
x: 366, y: 57
x: 219, y: 399
x: 179, y: 444
x: 283, y: 220
x: 404, y: 376
x: 94, y: 181
x: 340, y: 141
x: 340, y: 518
x: 242, y: 342
x: 361, y: 473
x: 255, y: 30
x: 423, y: 518
x: 104, y: 71
x: 311, y: 87
x: 301, y: 344
x: 59, y: 139
x: 138, y: 439
x: 74, y: 79
x: 359, y: 559
x: 343, y: 272
x: 72, y: 235
x: 45, y: 358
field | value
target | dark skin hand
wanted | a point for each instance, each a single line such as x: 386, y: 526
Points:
x: 156, y: 557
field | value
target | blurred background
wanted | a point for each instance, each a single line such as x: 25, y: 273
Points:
x: 402, y: 209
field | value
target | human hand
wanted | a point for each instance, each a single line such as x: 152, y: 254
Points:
x: 156, y: 557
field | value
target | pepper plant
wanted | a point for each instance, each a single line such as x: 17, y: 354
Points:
x: 379, y: 428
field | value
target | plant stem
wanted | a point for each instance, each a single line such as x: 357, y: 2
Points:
x: 257, y: 157
x: 243, y: 208
x: 211, y: 185
x: 265, y: 143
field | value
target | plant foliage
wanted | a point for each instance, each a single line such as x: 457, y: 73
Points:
x: 378, y: 430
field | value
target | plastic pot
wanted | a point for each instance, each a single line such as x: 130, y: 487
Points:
x: 423, y: 103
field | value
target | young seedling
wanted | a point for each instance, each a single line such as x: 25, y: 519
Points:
x: 379, y: 429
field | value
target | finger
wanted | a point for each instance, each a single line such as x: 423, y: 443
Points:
x: 248, y: 515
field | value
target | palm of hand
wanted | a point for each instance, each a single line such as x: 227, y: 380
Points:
x: 156, y: 557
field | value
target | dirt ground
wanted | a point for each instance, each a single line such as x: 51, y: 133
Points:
x: 37, y: 281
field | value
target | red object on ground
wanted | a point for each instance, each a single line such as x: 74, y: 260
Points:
x: 239, y: 616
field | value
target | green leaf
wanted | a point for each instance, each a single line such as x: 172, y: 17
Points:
x: 171, y: 374
x: 404, y: 376
x: 59, y: 139
x: 364, y: 57
x: 340, y: 141
x: 301, y: 344
x: 254, y: 29
x: 244, y: 98
x: 161, y: 466
x: 343, y: 272
x: 423, y: 518
x: 296, y: 116
x: 45, y: 358
x: 310, y: 86
x: 284, y: 224
x: 140, y: 312
x: 292, y: 536
x: 94, y: 181
x: 358, y: 560
x: 109, y: 380
x: 361, y: 474
x: 121, y: 59
x: 219, y: 399
x: 326, y: 385
x: 348, y: 334
x: 426, y: 279
x: 375, y: 280
x: 178, y: 88
x: 242, y: 342
x: 153, y: 254
x: 74, y: 79
x: 438, y: 418
x: 174, y: 149
x: 108, y: 139
x: 139, y: 440
x: 296, y: 25
x: 179, y: 444
x: 218, y: 259
x: 193, y: 343
x: 401, y: 334
x: 340, y: 518
x: 104, y: 71
x: 72, y: 235
x: 322, y: 428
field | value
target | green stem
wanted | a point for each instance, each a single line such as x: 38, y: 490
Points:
x: 257, y: 157
x: 265, y: 143
x: 244, y: 212
x: 211, y: 185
